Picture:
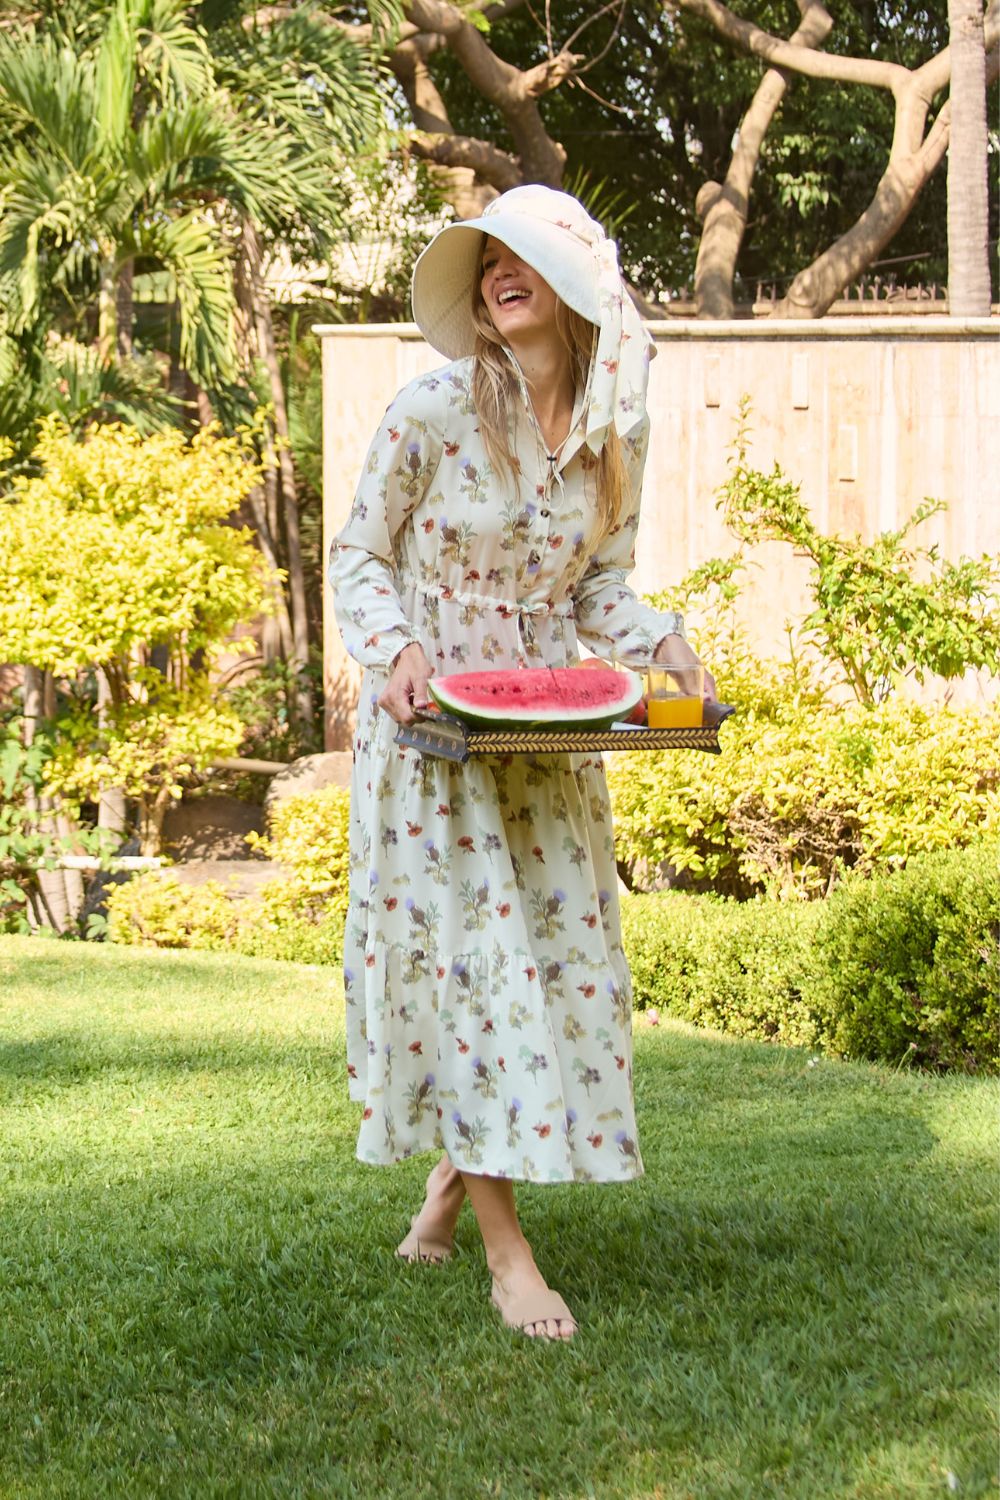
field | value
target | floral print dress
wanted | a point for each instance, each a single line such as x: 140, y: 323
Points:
x: 488, y: 997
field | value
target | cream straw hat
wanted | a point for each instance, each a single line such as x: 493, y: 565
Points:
x: 553, y: 233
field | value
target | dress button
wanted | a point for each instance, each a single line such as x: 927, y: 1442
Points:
x: 545, y: 514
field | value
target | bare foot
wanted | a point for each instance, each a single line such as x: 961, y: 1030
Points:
x: 526, y: 1301
x: 431, y: 1230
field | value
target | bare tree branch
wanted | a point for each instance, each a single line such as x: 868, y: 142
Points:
x: 781, y: 54
x: 815, y: 288
x: 489, y: 163
x: 724, y: 207
x: 603, y: 10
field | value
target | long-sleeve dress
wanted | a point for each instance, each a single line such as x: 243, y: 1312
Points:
x: 488, y: 997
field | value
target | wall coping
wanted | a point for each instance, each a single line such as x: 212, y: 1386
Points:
x: 856, y: 326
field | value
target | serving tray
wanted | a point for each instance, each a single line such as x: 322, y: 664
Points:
x: 450, y: 739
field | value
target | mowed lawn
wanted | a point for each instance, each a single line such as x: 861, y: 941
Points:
x: 198, y: 1295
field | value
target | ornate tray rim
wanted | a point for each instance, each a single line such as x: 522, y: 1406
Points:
x: 449, y: 738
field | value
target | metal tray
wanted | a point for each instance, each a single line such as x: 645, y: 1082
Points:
x: 449, y: 739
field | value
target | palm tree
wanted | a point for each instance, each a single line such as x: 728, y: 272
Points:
x: 149, y: 143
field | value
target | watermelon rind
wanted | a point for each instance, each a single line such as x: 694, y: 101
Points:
x: 564, y: 685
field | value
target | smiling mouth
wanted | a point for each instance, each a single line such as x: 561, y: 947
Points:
x: 512, y: 295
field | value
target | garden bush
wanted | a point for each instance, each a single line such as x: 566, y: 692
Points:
x: 909, y: 962
x: 732, y: 966
x: 806, y: 791
x: 155, y: 910
x: 903, y: 965
x: 299, y: 915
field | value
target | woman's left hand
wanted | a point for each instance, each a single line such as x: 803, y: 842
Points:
x: 675, y: 649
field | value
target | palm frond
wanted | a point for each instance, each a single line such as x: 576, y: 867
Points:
x: 47, y: 92
x: 115, y: 76
x: 172, y: 55
x: 83, y: 389
x: 188, y: 247
x: 42, y: 207
x: 307, y: 77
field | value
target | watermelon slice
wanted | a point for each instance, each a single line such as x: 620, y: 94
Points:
x: 559, y: 697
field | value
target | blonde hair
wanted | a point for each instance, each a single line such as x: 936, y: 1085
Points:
x: 495, y: 391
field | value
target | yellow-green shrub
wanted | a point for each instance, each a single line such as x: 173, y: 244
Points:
x: 155, y: 910
x: 804, y: 791
x: 119, y: 553
x: 308, y: 834
x: 299, y: 915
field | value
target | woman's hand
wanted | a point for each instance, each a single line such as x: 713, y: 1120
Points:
x: 406, y: 690
x: 674, y: 648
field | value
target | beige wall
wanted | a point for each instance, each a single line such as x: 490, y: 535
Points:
x: 870, y: 414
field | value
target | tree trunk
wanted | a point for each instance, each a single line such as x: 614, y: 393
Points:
x: 65, y: 829
x: 290, y: 508
x: 112, y: 812
x: 107, y: 311
x: 276, y: 634
x: 724, y: 207
x: 51, y: 883
x: 968, y: 194
x: 152, y: 815
x: 124, y: 310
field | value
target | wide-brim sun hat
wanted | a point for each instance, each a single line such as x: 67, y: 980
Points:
x: 553, y: 233
x: 550, y: 231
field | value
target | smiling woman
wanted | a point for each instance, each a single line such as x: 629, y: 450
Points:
x: 488, y: 996
x: 521, y: 305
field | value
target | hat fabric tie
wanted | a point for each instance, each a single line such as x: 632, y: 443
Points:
x: 621, y: 361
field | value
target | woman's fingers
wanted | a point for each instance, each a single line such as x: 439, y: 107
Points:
x: 406, y: 690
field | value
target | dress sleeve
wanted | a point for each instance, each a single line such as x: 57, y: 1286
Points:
x: 363, y: 569
x: 610, y: 619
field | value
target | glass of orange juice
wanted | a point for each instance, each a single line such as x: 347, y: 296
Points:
x: 674, y: 694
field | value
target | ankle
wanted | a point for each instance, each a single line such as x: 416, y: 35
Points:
x: 510, y: 1259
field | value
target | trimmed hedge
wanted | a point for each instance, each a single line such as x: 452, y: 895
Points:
x: 893, y: 966
x: 728, y: 965
x: 910, y: 962
x: 898, y: 966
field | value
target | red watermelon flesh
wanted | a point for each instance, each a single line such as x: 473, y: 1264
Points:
x: 558, y: 697
x: 639, y: 713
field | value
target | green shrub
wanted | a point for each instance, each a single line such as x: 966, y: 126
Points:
x: 308, y: 834
x: 154, y: 910
x: 299, y: 915
x: 804, y: 791
x: 909, y: 963
x: 900, y: 965
x: 732, y: 966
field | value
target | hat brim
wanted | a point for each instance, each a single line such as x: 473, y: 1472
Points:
x: 446, y: 271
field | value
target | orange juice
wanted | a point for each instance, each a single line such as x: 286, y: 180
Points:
x: 676, y: 712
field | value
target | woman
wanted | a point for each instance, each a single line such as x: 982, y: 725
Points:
x: 488, y: 997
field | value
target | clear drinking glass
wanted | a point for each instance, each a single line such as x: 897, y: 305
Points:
x: 674, y: 694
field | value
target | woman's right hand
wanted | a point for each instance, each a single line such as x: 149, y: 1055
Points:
x: 406, y: 691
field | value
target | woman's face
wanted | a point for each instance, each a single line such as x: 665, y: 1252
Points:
x: 522, y: 307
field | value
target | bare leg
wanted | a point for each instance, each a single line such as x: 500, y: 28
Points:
x: 508, y: 1254
x: 432, y: 1229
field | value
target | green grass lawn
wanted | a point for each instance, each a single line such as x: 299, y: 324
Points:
x: 198, y: 1295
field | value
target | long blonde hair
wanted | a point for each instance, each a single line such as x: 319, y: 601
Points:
x: 495, y: 390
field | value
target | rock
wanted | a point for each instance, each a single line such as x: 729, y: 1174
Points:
x: 239, y: 877
x: 310, y: 773
x: 211, y: 828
